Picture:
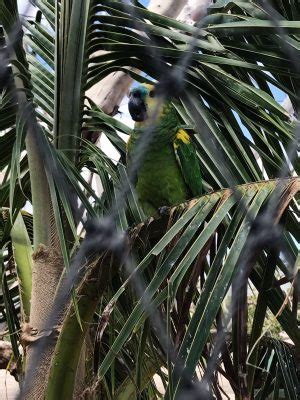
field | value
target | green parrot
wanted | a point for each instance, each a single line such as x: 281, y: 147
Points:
x: 169, y: 173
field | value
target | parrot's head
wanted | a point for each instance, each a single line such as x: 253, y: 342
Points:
x: 141, y: 102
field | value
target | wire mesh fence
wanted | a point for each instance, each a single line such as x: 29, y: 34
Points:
x: 194, y: 253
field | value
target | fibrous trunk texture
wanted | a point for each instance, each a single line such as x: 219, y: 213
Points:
x: 47, y: 269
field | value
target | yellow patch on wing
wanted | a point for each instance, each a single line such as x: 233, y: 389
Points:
x: 183, y: 136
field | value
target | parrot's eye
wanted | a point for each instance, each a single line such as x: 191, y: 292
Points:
x: 136, y: 94
x: 152, y: 93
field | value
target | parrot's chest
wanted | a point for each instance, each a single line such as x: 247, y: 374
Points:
x: 159, y: 179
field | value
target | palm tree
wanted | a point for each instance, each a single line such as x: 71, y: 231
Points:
x: 107, y: 302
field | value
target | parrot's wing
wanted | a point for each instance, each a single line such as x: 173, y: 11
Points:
x: 128, y: 152
x: 188, y: 161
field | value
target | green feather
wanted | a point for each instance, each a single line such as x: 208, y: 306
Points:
x: 167, y: 176
x: 187, y: 159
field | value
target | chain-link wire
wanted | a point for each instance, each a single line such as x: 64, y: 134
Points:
x: 102, y: 235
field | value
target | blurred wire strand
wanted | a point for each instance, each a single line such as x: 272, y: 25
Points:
x: 102, y: 234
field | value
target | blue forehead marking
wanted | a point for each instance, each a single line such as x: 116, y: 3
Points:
x: 141, y: 89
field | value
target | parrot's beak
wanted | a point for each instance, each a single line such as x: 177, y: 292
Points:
x: 137, y: 109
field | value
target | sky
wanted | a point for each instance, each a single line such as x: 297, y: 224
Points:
x: 25, y: 6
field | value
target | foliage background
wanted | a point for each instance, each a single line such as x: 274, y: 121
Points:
x: 169, y: 317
